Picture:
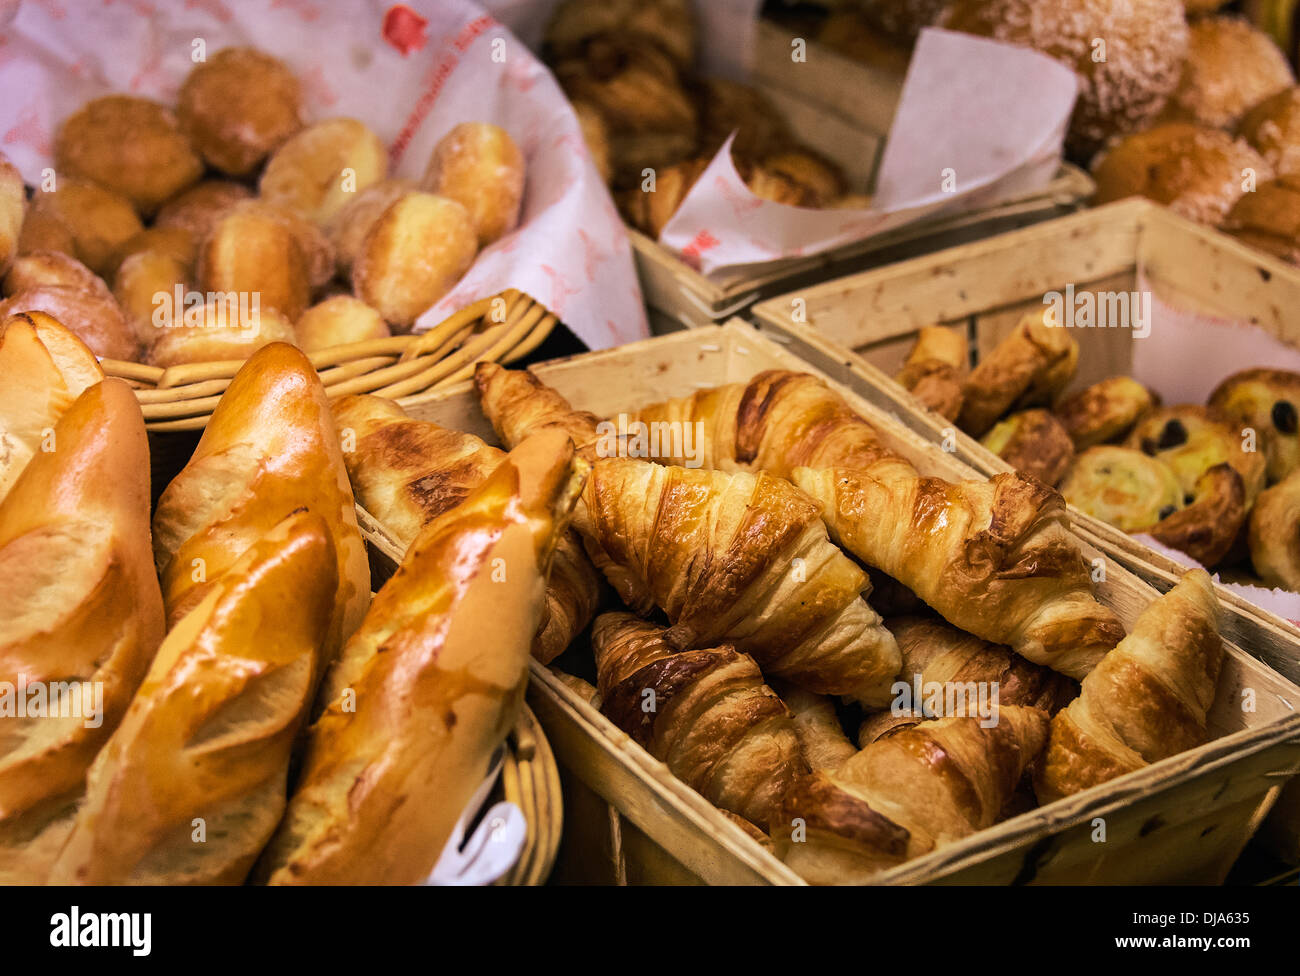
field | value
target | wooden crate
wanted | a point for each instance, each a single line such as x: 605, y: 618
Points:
x: 1183, y: 819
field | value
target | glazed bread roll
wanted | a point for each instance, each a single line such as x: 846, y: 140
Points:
x: 348, y: 228
x: 1033, y: 442
x: 316, y: 172
x: 1029, y: 367
x: 669, y: 25
x: 1123, y: 487
x: 129, y: 145
x: 269, y: 450
x: 216, y: 331
x: 97, y: 220
x: 479, y: 166
x: 436, y: 676
x: 198, y: 209
x: 412, y: 256
x: 1231, y: 66
x: 337, y: 321
x: 251, y: 251
x: 81, y: 605
x: 91, y: 313
x: 41, y: 269
x: 1192, y: 439
x: 191, y: 785
x: 1269, y: 218
x: 1197, y: 172
x: 1268, y: 401
x: 238, y: 107
x: 13, y: 204
x: 1124, y: 85
x: 1105, y: 411
x: 1275, y: 534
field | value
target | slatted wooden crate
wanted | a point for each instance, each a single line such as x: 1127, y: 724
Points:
x: 1183, y: 819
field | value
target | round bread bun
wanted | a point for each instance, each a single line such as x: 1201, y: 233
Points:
x: 412, y: 256
x: 1269, y: 219
x: 1269, y: 401
x: 1105, y: 411
x: 349, y: 227
x: 141, y: 279
x: 41, y: 268
x: 91, y: 313
x: 198, y: 209
x: 98, y: 221
x: 317, y: 171
x: 479, y: 166
x: 1033, y: 442
x: 1145, y: 43
x: 1230, y: 67
x: 218, y: 332
x: 250, y: 251
x: 338, y: 321
x: 13, y: 205
x: 667, y: 24
x: 239, y: 106
x: 315, y: 246
x: 175, y: 242
x: 130, y: 145
x: 1123, y: 487
x: 1273, y: 129
x: 1197, y: 172
x: 1191, y: 439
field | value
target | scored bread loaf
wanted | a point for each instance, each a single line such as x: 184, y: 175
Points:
x: 82, y: 616
x: 430, y: 684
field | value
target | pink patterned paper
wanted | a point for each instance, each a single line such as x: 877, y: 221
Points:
x: 410, y: 71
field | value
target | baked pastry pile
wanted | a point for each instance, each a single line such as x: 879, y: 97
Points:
x: 248, y: 712
x: 205, y: 231
x: 1220, y: 482
x: 629, y: 69
x: 749, y: 638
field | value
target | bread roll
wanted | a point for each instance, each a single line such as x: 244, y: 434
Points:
x: 413, y: 255
x: 205, y: 744
x: 1125, y: 84
x: 91, y: 313
x: 198, y: 209
x: 479, y: 166
x: 130, y: 145
x: 1197, y: 172
x: 317, y: 251
x: 98, y: 221
x: 239, y: 106
x: 174, y: 242
x: 1269, y: 218
x: 349, y: 227
x: 252, y: 252
x: 141, y: 281
x: 81, y: 606
x: 338, y: 321
x: 436, y: 673
x: 41, y: 268
x: 1230, y: 67
x: 13, y: 203
x: 214, y: 331
x: 317, y: 170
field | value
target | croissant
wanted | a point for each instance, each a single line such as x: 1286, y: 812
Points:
x: 270, y: 449
x: 430, y: 684
x: 934, y: 369
x: 406, y: 472
x: 906, y: 794
x: 741, y: 559
x: 82, y: 616
x: 519, y: 404
x: 205, y: 744
x: 1274, y: 533
x: 995, y: 558
x: 1147, y: 699
x: 706, y: 713
x: 825, y: 746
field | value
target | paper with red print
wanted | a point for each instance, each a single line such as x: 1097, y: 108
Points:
x: 989, y: 116
x: 409, y: 71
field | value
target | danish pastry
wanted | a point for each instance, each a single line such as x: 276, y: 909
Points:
x: 1027, y: 368
x: 1105, y: 411
x: 1033, y: 442
x: 1192, y: 439
x: 1275, y: 534
x: 1123, y: 487
x: 934, y: 369
x: 1267, y: 400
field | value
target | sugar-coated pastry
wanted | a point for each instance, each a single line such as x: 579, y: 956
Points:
x: 479, y: 166
x: 1267, y: 400
x: 1230, y: 67
x: 91, y: 313
x: 1192, y: 439
x: 143, y: 280
x: 55, y: 268
x: 318, y: 169
x: 413, y: 255
x: 238, y: 107
x: 349, y: 227
x: 1123, y: 487
x: 198, y: 209
x: 1033, y: 442
x: 1275, y: 534
x: 130, y: 145
x: 337, y: 321
x: 317, y: 251
x: 250, y: 252
x: 216, y: 332
x: 13, y: 203
x: 1105, y: 411
x: 97, y: 220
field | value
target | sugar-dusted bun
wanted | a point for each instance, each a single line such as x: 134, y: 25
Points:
x: 317, y: 251
x: 97, y: 220
x: 319, y: 169
x: 1273, y: 128
x: 215, y: 332
x: 1197, y: 172
x: 13, y: 203
x: 41, y: 268
x: 669, y: 25
x: 349, y: 227
x: 1269, y: 218
x: 130, y: 145
x: 198, y: 209
x: 479, y: 166
x: 91, y: 313
x: 1231, y: 67
x: 238, y: 107
x: 175, y: 242
x: 1124, y: 91
x: 337, y: 321
x: 249, y: 251
x: 141, y: 280
x: 413, y: 255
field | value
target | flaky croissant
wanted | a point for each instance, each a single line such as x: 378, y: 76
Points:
x: 519, y: 404
x: 741, y: 559
x: 825, y: 746
x: 906, y: 794
x: 405, y: 472
x: 705, y: 712
x: 1147, y: 699
x: 934, y: 369
x: 995, y: 558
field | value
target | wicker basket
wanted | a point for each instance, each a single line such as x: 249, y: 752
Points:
x: 530, y: 780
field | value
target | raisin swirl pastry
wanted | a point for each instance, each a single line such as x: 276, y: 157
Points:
x: 1033, y: 442
x: 1267, y: 400
x: 1123, y: 487
x: 1105, y: 411
x: 1191, y: 440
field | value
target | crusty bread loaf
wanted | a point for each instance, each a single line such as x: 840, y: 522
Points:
x: 81, y: 608
x: 430, y: 685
